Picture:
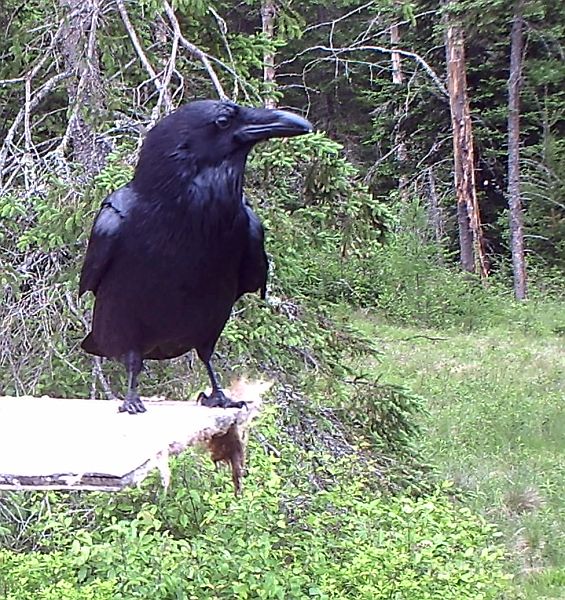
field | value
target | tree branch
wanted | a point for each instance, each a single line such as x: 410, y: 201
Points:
x: 164, y: 96
x: 10, y: 81
x: 97, y: 370
x: 140, y: 52
x: 39, y: 95
x: 381, y: 49
x: 195, y: 51
x: 223, y: 28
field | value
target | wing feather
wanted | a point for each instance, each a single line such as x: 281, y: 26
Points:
x: 255, y: 265
x: 106, y: 231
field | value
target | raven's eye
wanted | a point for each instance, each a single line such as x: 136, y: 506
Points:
x: 222, y: 121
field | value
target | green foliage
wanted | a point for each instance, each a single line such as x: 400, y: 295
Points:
x: 50, y: 576
x: 414, y: 288
x: 390, y: 413
x: 116, y: 172
x: 193, y: 7
x: 315, y: 164
x: 323, y: 236
x: 544, y: 193
x: 494, y: 424
x: 44, y: 222
x: 347, y: 541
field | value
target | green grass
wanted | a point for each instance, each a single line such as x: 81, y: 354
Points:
x: 496, y: 427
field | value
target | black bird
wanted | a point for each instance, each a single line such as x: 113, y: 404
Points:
x: 171, y: 252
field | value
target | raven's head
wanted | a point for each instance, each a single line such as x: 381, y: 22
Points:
x: 209, y: 132
x: 228, y: 127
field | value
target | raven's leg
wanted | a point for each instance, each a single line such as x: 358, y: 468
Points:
x: 132, y: 402
x: 217, y: 397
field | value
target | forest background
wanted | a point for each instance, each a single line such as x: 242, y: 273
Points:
x: 414, y: 444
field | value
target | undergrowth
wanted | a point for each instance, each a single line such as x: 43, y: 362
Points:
x: 287, y: 536
x: 494, y: 426
x: 339, y: 501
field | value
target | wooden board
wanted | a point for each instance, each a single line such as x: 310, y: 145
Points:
x: 55, y: 443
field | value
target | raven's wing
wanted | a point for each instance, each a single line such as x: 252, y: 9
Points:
x: 254, y: 265
x: 104, y: 236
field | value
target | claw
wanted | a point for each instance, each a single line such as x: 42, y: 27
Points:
x: 218, y: 399
x: 133, y: 406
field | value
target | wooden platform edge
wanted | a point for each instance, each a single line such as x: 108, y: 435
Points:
x: 225, y: 425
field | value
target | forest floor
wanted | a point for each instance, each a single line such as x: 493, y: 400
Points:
x: 496, y: 428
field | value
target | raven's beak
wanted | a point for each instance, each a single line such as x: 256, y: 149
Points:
x: 262, y: 124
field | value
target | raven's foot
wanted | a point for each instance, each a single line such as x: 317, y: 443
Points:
x: 218, y: 399
x: 133, y: 405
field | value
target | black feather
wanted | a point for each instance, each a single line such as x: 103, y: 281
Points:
x: 172, y: 251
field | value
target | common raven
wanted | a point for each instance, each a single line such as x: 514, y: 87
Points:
x: 171, y: 252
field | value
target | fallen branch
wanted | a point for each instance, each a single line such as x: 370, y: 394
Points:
x: 426, y: 337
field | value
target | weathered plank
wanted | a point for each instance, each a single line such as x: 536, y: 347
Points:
x: 56, y: 443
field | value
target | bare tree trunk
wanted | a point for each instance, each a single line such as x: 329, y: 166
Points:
x: 85, y: 89
x: 396, y: 64
x: 399, y: 138
x: 470, y: 232
x: 514, y: 198
x: 435, y: 216
x: 268, y: 16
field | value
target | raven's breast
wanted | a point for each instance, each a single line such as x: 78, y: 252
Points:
x: 174, y: 280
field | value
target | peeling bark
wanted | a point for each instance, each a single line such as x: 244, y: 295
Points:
x: 85, y: 88
x: 514, y: 197
x: 268, y: 16
x: 395, y: 56
x: 470, y: 233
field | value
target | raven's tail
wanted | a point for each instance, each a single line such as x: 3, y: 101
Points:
x: 90, y: 346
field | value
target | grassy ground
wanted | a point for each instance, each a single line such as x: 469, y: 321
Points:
x: 496, y: 427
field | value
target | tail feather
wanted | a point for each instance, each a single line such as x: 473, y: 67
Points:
x: 90, y: 346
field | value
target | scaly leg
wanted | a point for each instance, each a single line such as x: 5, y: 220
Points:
x: 132, y: 402
x: 217, y: 397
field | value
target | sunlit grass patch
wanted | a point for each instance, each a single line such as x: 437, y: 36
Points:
x: 496, y: 427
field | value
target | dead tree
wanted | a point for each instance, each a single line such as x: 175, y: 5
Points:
x: 400, y: 143
x: 514, y: 198
x: 397, y: 76
x: 78, y: 48
x: 268, y: 16
x: 468, y: 216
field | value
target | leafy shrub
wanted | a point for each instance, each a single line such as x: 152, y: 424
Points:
x: 322, y: 222
x: 52, y: 576
x: 276, y: 541
x: 413, y: 288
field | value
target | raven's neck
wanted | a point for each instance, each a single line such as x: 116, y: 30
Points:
x: 180, y: 178
x: 220, y: 184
